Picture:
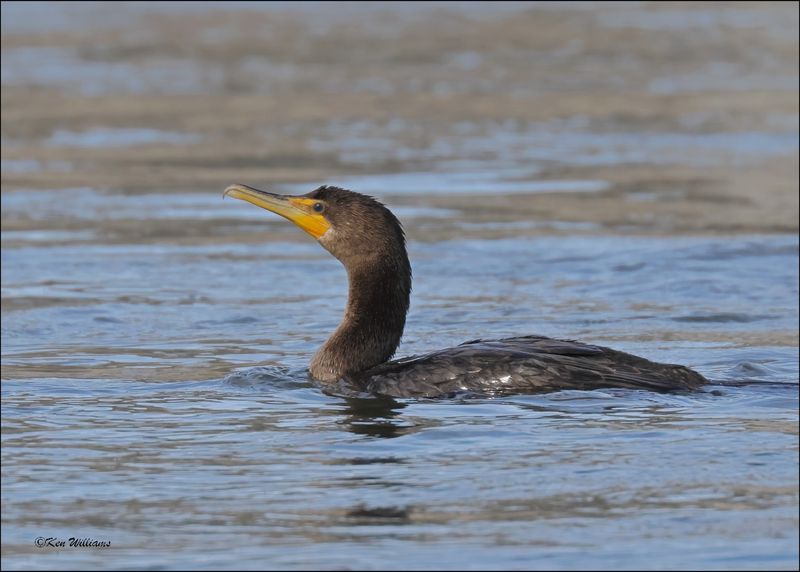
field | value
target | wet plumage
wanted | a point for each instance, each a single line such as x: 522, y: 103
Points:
x: 527, y: 364
x: 369, y: 241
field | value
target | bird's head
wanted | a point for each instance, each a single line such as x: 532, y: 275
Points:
x: 351, y: 226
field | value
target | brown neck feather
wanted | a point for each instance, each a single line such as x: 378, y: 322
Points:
x: 377, y: 303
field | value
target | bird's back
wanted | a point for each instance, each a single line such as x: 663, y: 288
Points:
x: 528, y: 364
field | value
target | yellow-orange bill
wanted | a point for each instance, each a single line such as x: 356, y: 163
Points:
x: 296, y: 209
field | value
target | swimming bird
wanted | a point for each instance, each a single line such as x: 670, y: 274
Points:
x: 369, y: 241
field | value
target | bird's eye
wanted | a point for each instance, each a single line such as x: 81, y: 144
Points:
x: 318, y: 207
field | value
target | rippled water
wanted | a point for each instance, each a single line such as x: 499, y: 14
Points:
x: 133, y: 411
x: 155, y: 339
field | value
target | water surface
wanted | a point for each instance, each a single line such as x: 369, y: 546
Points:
x: 133, y: 411
x: 624, y: 176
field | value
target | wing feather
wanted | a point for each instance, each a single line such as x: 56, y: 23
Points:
x: 521, y: 365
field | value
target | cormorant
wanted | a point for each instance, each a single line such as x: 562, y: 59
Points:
x: 369, y: 241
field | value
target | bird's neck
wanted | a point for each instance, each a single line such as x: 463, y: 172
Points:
x: 373, y: 322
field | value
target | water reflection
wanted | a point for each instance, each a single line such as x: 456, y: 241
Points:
x: 375, y: 417
x: 380, y: 514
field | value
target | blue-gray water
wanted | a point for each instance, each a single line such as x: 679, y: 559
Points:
x: 624, y: 175
x: 114, y: 431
